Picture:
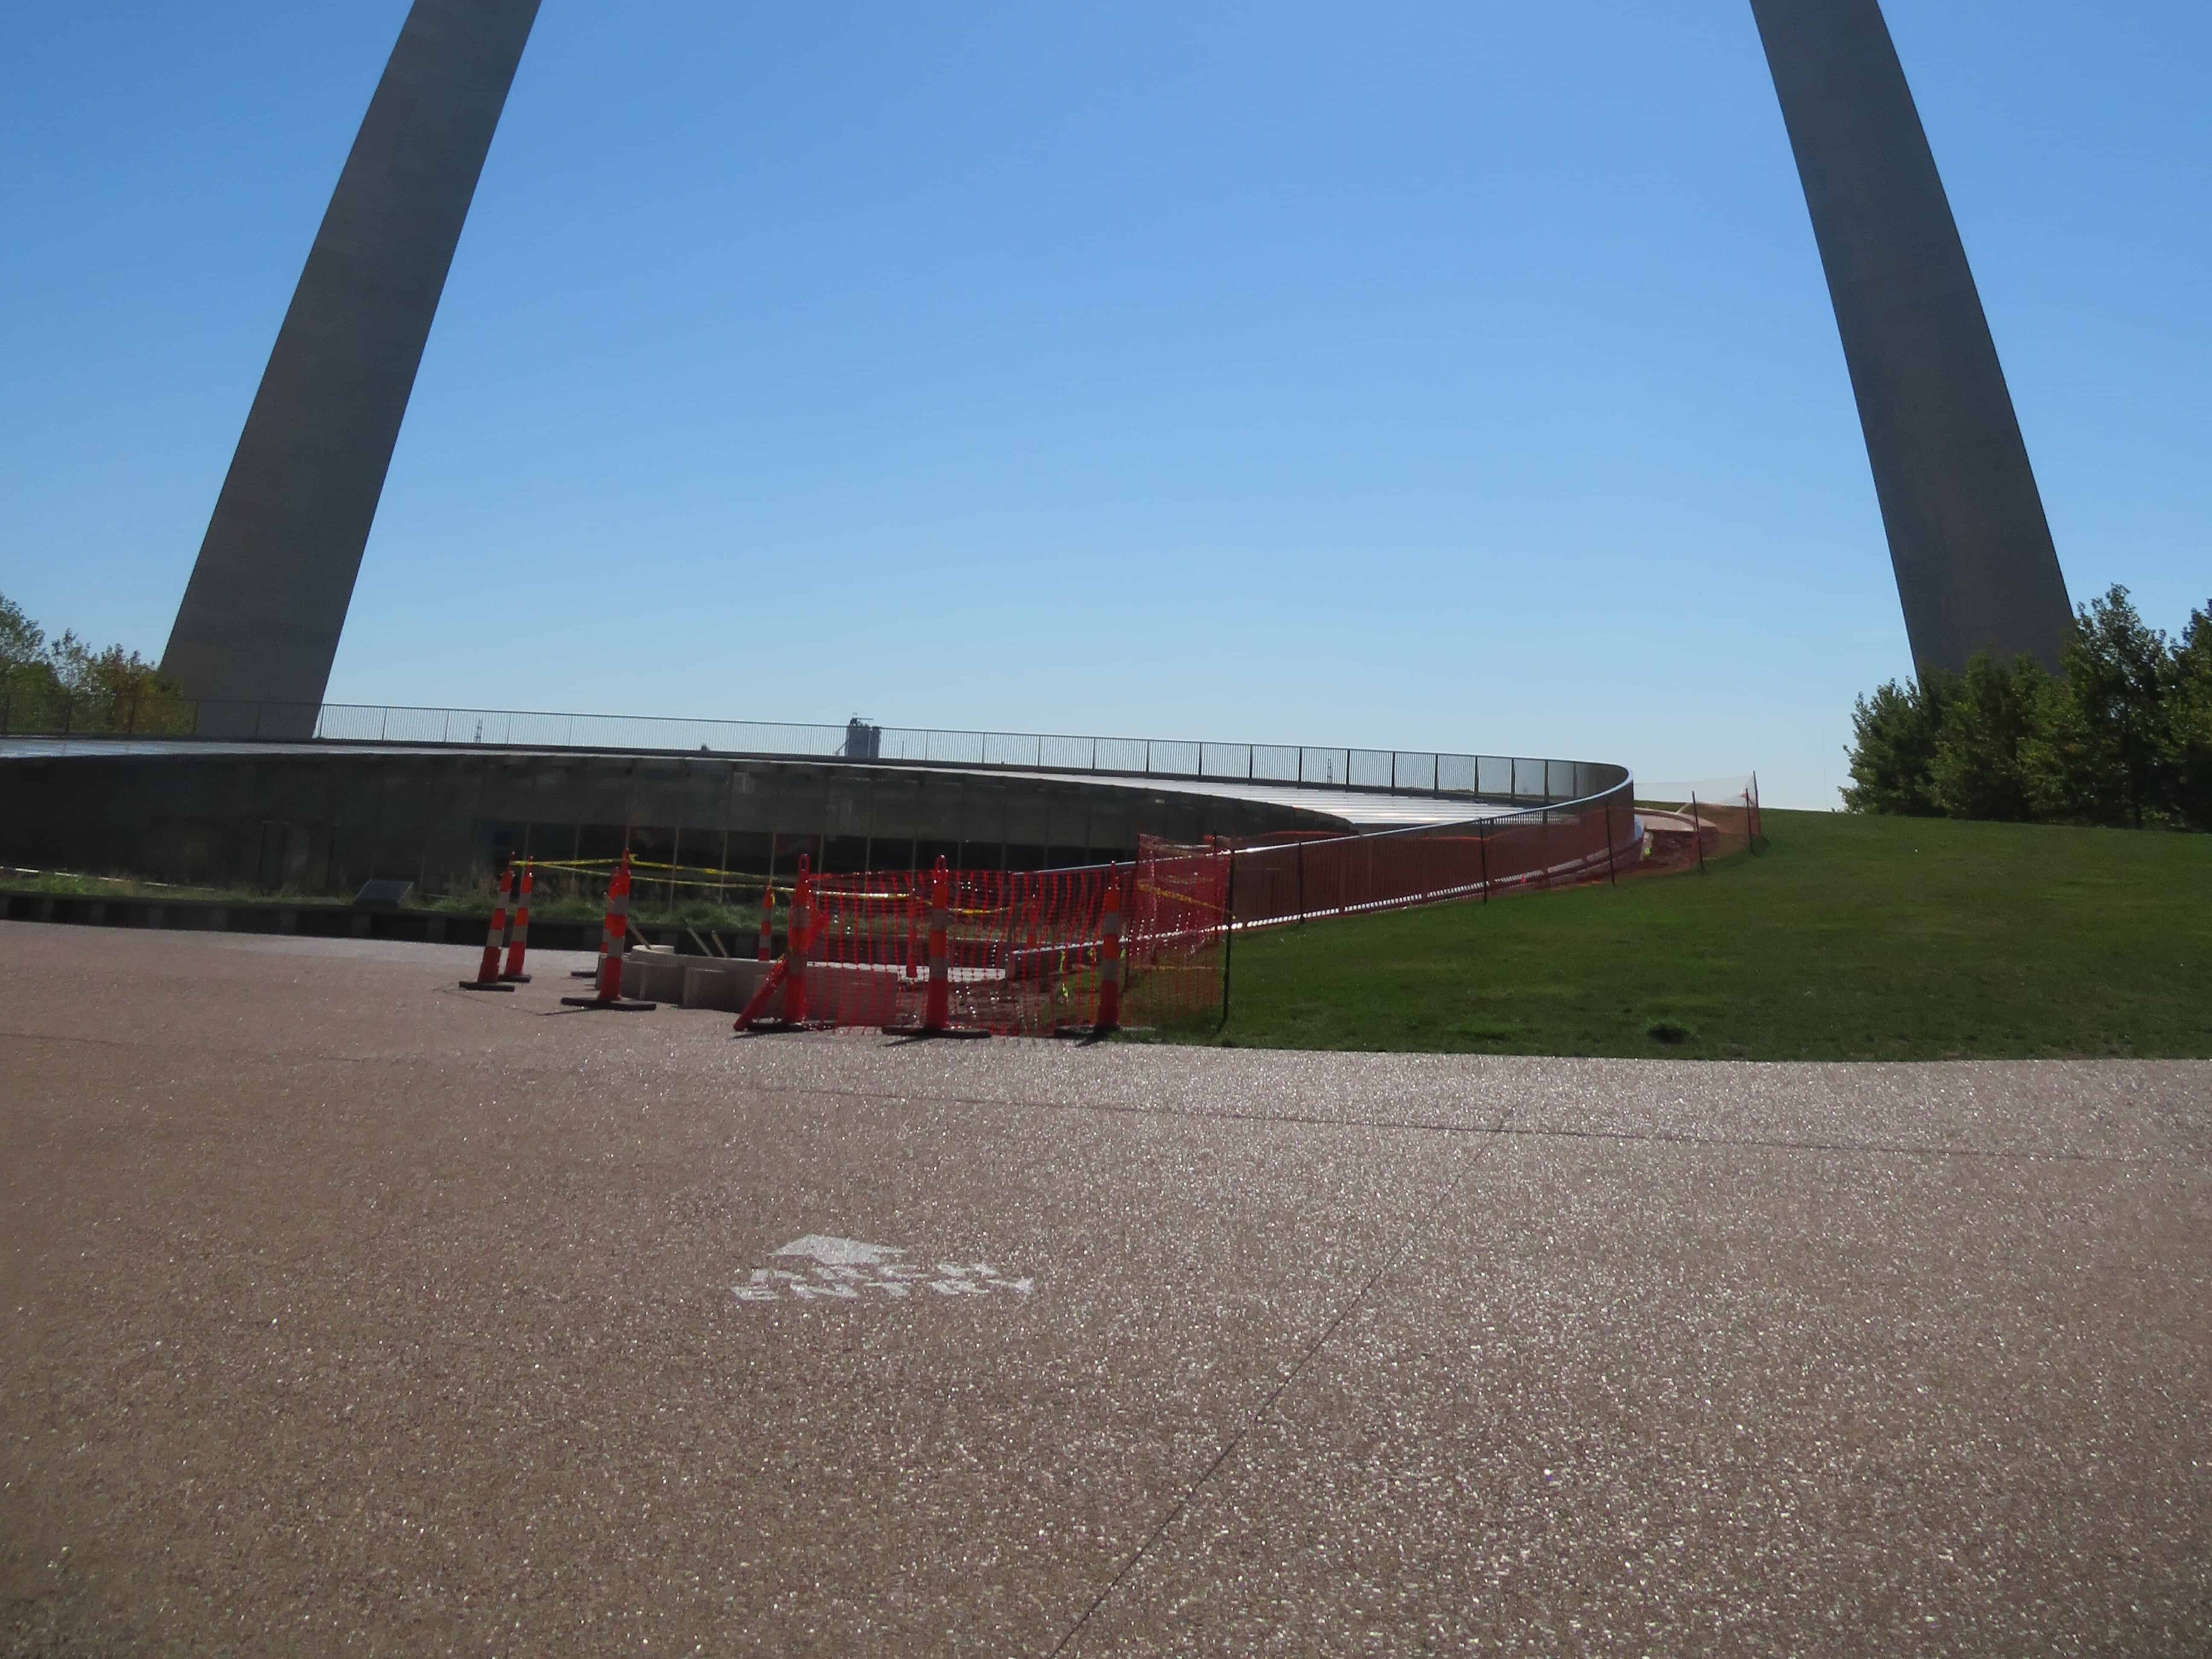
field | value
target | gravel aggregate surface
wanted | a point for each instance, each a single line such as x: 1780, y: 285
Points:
x: 347, y: 1311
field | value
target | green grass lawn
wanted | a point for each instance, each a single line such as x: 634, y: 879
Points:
x: 1850, y: 939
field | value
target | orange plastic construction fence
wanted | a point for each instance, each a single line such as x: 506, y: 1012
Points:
x: 1023, y: 946
x: 1291, y: 879
x: 1686, y: 825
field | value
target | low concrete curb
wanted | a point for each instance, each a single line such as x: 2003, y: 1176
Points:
x: 852, y: 996
x: 313, y: 921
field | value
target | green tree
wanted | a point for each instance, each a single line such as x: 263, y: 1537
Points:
x: 2189, y: 724
x: 1894, y: 747
x: 2103, y: 755
x: 66, y: 685
x: 30, y: 693
x: 1982, y: 767
x: 116, y: 690
x: 22, y: 643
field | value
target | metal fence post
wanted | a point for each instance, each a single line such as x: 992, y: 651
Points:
x: 1228, y: 936
x: 1698, y: 831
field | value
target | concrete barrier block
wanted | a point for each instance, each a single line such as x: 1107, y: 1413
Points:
x: 727, y: 986
x: 649, y: 977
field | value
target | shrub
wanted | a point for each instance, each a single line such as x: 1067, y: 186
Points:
x: 2102, y: 754
x: 2120, y: 736
x: 1982, y: 765
x: 1896, y: 732
x: 2189, y: 725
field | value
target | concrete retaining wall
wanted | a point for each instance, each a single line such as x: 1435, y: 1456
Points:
x: 332, y: 820
x: 310, y: 921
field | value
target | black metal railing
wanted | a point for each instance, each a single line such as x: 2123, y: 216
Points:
x: 1391, y: 771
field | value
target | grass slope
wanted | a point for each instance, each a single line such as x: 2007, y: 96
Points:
x: 1851, y: 938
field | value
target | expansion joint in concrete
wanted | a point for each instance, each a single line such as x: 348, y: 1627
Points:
x: 1267, y: 1405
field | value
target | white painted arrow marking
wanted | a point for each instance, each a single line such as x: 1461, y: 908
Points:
x: 844, y: 1267
x: 841, y: 1252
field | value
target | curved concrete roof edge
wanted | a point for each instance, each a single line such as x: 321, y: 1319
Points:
x: 1363, y: 811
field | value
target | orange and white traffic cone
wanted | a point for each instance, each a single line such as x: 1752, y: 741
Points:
x: 519, y: 931
x: 614, y: 939
x: 936, y: 1005
x: 614, y: 934
x: 937, y: 1011
x: 789, y: 974
x: 771, y: 983
x: 487, y: 977
x: 799, y: 930
x: 1110, y: 956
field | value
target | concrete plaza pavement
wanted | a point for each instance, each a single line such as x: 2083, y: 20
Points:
x: 347, y: 1311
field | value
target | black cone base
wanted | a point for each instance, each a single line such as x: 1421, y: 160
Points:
x: 613, y: 1004
x: 484, y: 985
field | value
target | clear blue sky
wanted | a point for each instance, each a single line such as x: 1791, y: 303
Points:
x: 1437, y: 375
